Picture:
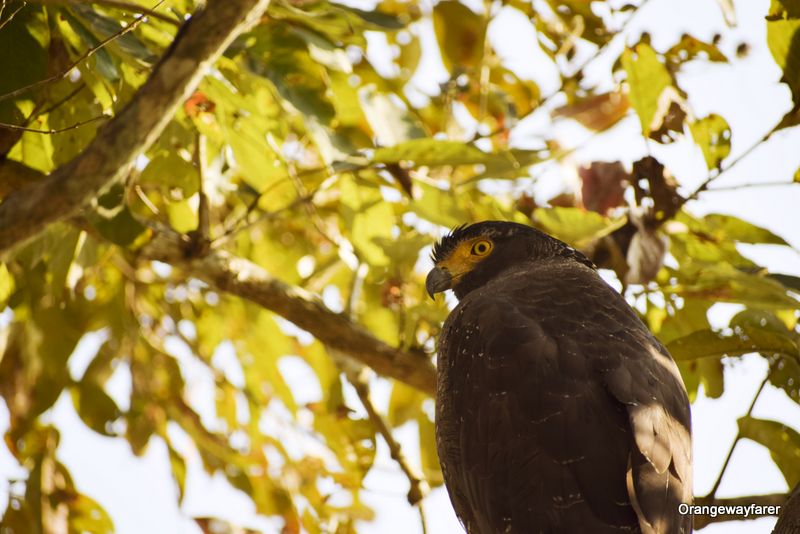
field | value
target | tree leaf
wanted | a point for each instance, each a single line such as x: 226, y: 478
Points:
x: 648, y: 79
x: 369, y: 218
x: 782, y: 441
x: 6, y: 285
x: 170, y: 170
x: 460, y: 33
x: 95, y: 408
x: 405, y: 404
x: 439, y: 206
x: 597, y: 112
x: 434, y: 152
x: 178, y: 465
x: 429, y: 459
x: 713, y: 135
x: 736, y: 229
x: 86, y: 515
x: 689, y: 48
x: 783, y: 23
x: 102, y: 58
x: 728, y: 12
x: 712, y: 344
x: 182, y: 217
x: 575, y: 226
x: 391, y: 123
x: 113, y: 220
x: 105, y: 27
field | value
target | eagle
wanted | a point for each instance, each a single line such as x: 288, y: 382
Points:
x: 557, y: 410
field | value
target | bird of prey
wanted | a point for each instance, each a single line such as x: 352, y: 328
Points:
x: 557, y: 411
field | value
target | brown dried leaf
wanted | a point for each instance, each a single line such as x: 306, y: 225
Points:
x: 596, y: 112
x: 603, y: 185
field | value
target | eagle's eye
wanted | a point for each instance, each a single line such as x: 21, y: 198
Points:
x: 481, y: 248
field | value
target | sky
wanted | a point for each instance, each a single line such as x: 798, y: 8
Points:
x: 139, y: 493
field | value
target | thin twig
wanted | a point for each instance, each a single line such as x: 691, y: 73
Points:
x: 485, y: 69
x: 81, y: 86
x: 202, y: 209
x: 11, y: 16
x: 418, y: 486
x: 715, y: 175
x: 714, y: 489
x: 53, y: 131
x: 749, y: 185
x: 423, y: 522
x: 86, y: 55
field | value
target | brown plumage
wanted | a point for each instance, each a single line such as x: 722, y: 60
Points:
x: 557, y: 410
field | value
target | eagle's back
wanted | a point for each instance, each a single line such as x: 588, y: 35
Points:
x: 556, y: 405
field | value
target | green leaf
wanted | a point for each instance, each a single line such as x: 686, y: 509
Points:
x: 689, y: 48
x: 722, y: 282
x: 435, y: 152
x: 369, y: 218
x: 576, y: 226
x: 783, y: 23
x: 178, y: 465
x: 460, y: 33
x: 288, y: 65
x: 762, y: 327
x: 87, y: 516
x: 782, y: 441
x: 95, y: 408
x: 113, y: 220
x: 23, y: 42
x: 6, y: 285
x: 105, y: 27
x: 439, y: 206
x: 102, y: 59
x: 405, y: 404
x: 736, y: 229
x: 711, y: 344
x: 713, y: 135
x: 170, y: 170
x: 787, y: 280
x: 181, y: 216
x: 648, y: 78
x: 266, y: 344
x: 429, y: 459
x: 391, y: 123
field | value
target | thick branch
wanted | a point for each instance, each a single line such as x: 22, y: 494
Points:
x: 109, y: 156
x: 240, y: 277
x: 771, y: 499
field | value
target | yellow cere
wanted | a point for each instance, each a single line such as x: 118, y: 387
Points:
x: 466, y: 255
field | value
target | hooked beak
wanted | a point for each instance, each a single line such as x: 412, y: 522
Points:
x: 438, y: 280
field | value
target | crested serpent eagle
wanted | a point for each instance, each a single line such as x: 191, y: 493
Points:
x: 557, y: 411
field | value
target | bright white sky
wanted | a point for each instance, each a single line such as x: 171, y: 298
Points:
x: 139, y: 492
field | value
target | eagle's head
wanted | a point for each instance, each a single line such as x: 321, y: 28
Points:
x: 471, y: 255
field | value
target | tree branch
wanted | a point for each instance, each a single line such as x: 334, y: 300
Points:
x: 770, y: 499
x: 418, y: 486
x: 238, y: 276
x: 108, y: 157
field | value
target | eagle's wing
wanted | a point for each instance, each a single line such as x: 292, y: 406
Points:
x: 541, y: 422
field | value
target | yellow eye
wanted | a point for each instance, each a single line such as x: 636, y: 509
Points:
x: 481, y: 248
